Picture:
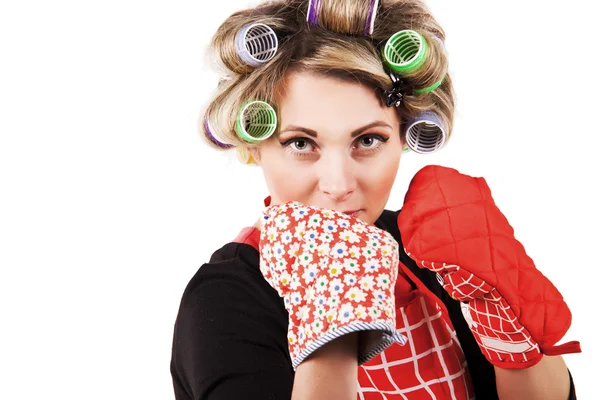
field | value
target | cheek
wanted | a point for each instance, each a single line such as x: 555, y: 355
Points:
x: 286, y: 180
x: 382, y: 174
x: 378, y: 183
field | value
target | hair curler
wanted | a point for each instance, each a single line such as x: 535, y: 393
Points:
x: 311, y: 14
x: 405, y: 52
x: 429, y: 88
x: 256, y: 121
x: 212, y: 136
x: 371, y: 18
x: 426, y: 133
x: 256, y: 44
x: 314, y: 8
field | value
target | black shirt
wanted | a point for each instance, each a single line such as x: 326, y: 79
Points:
x: 230, y: 337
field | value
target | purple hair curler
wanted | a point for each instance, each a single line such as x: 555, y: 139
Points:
x: 427, y: 133
x: 211, y: 135
x: 314, y: 9
x: 256, y: 44
x: 371, y: 18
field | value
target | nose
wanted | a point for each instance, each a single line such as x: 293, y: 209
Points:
x: 336, y: 177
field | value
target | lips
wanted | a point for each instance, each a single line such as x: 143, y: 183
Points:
x: 353, y: 213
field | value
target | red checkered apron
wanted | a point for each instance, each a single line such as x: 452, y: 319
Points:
x: 431, y: 365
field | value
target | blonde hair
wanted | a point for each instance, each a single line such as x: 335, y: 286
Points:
x: 337, y: 47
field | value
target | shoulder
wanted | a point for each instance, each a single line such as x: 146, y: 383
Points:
x: 232, y: 274
x: 231, y: 328
x: 234, y: 262
x: 230, y: 279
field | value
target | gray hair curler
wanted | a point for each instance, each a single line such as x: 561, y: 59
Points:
x: 256, y: 44
x: 427, y: 133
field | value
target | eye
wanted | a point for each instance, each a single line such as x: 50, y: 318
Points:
x: 300, y: 145
x: 370, y: 141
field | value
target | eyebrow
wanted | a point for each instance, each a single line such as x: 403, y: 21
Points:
x: 355, y: 133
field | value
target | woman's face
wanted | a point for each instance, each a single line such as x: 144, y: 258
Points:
x: 338, y: 147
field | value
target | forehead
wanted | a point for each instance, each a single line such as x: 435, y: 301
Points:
x: 318, y: 102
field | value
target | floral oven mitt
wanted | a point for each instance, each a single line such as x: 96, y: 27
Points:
x: 336, y: 275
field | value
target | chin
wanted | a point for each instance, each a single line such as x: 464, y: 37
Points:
x: 366, y: 217
x: 371, y: 217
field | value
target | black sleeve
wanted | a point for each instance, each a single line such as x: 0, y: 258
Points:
x: 230, y: 339
x: 572, y: 394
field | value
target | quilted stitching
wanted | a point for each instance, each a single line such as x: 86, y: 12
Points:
x: 451, y: 219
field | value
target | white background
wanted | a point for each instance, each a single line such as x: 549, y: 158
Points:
x: 110, y: 201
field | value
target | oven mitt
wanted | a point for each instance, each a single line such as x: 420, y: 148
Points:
x: 336, y: 275
x: 450, y: 225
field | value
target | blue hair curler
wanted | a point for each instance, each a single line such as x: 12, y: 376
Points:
x: 256, y: 44
x: 426, y: 134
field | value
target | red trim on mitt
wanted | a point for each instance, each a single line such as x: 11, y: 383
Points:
x: 565, y: 348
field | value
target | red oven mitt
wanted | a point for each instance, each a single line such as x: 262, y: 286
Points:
x: 450, y: 224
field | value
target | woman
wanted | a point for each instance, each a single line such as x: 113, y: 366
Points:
x: 345, y: 111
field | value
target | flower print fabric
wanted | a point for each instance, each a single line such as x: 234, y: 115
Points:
x: 336, y: 275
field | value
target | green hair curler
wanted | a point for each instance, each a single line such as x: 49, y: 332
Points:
x: 405, y: 52
x: 429, y: 88
x: 256, y: 121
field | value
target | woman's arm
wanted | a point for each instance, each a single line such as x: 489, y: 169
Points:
x: 547, y: 380
x: 330, y: 372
